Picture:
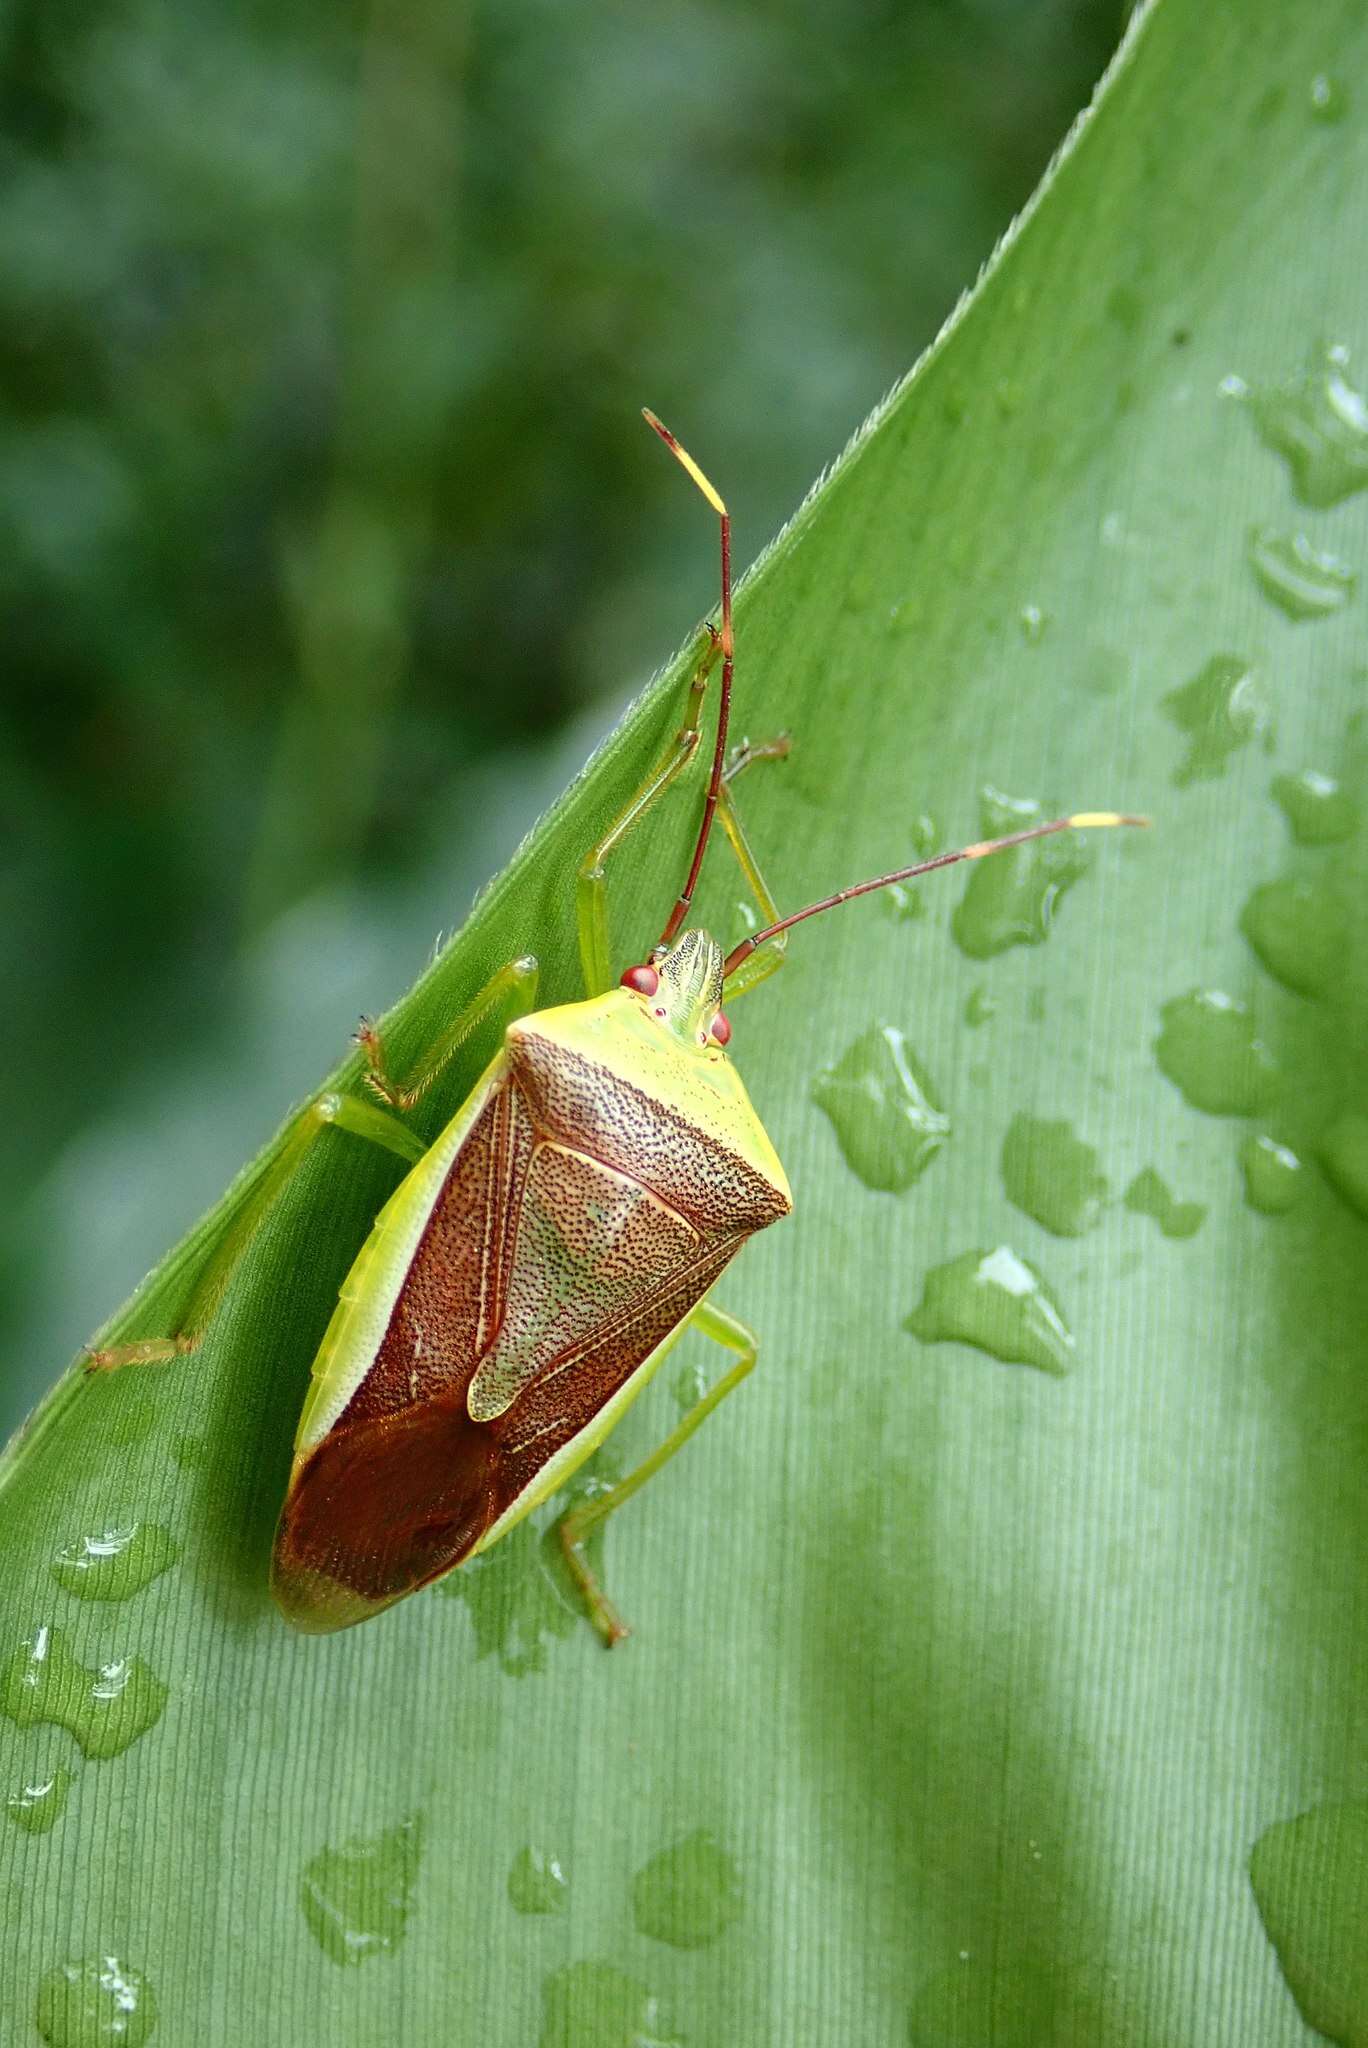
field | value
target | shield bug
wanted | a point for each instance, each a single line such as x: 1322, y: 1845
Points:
x: 523, y: 1283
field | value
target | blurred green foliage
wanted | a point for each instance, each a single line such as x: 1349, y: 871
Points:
x: 322, y: 332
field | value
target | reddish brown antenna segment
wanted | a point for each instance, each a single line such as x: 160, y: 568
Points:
x: 686, y: 461
x: 978, y: 851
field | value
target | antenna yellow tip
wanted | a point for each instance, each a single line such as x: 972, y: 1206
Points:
x: 686, y: 461
x: 1087, y: 820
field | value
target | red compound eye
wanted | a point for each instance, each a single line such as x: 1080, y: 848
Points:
x: 720, y: 1028
x: 644, y: 980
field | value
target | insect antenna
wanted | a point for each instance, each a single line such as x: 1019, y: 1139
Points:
x: 724, y: 641
x: 979, y: 851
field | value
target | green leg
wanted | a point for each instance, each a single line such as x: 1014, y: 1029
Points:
x: 591, y: 890
x: 339, y: 1112
x: 756, y: 967
x: 577, y: 1525
x: 515, y: 984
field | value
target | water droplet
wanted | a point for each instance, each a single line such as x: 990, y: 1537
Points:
x: 1208, y: 1049
x: 116, y: 1563
x: 689, y: 1895
x: 1343, y: 1153
x: 1033, y: 622
x: 745, y: 920
x: 903, y: 903
x: 1149, y: 1195
x: 999, y: 1303
x: 690, y: 1385
x: 1329, y: 102
x: 519, y: 1594
x: 887, y: 1121
x: 106, y: 1707
x: 40, y: 1805
x: 1304, y: 581
x: 1222, y: 709
x: 1012, y: 899
x: 82, y: 2005
x: 1310, y: 1879
x: 356, y: 1899
x: 1052, y: 1175
x: 1319, y: 812
x: 537, y: 1884
x: 979, y: 1008
x: 1318, y: 423
x: 1298, y: 931
x: 1272, y: 1175
x: 925, y: 834
x: 594, y: 2005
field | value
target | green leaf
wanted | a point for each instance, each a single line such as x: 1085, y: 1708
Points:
x: 961, y: 1692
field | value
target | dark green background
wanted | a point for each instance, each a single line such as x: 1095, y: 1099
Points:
x: 329, y: 536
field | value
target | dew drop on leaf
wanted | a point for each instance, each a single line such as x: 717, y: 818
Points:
x: 1220, y: 710
x: 887, y: 1121
x: 1310, y: 1880
x: 39, y: 1804
x: 1319, y: 812
x: 979, y: 1008
x: 115, y: 1563
x: 903, y: 902
x: 90, y: 2003
x: 1150, y: 1195
x: 689, y: 1894
x: 1329, y: 101
x: 537, y: 1884
x: 1302, y: 580
x: 1272, y: 1174
x: 1208, y: 1048
x: 1344, y: 1156
x: 1052, y: 1175
x: 106, y: 1706
x: 1318, y: 422
x: 595, y: 2005
x: 1012, y: 899
x: 999, y: 1303
x: 356, y: 1899
x: 1299, y: 933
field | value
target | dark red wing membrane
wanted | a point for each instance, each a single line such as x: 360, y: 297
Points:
x: 387, y: 1504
